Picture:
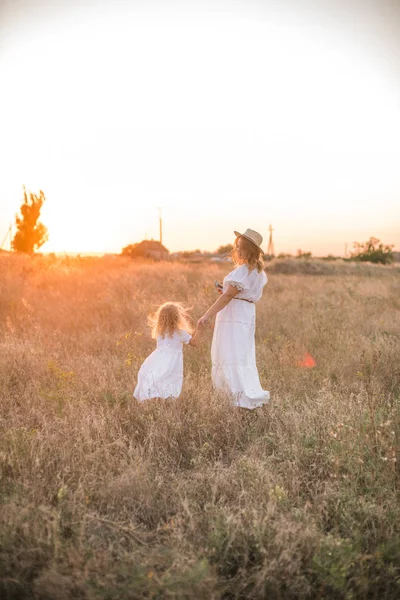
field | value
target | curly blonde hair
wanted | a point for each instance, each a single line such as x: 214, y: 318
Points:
x: 253, y: 254
x: 168, y: 318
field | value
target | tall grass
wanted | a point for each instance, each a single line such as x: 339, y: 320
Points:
x: 102, y: 498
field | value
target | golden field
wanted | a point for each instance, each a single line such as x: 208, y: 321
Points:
x: 102, y: 498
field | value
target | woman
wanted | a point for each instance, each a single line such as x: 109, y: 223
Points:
x: 233, y: 353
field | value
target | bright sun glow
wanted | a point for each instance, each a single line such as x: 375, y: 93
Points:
x: 227, y: 114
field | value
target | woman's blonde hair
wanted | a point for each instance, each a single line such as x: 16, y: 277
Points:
x: 253, y: 254
x: 168, y: 318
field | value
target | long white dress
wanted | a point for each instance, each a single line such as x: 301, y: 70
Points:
x: 233, y: 350
x: 161, y: 374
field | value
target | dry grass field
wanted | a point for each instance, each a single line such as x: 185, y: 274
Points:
x: 102, y: 498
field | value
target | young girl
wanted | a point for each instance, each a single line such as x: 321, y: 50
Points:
x: 233, y: 353
x: 161, y: 374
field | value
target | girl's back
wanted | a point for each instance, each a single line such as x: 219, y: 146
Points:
x: 161, y: 374
x: 173, y: 342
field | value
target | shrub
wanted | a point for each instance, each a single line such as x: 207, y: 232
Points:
x: 373, y: 251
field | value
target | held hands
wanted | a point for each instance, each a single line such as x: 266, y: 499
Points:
x: 205, y: 320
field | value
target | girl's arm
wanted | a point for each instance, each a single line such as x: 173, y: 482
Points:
x: 218, y: 305
x: 194, y: 341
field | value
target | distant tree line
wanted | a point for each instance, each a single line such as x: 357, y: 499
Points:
x: 31, y: 234
x: 371, y: 251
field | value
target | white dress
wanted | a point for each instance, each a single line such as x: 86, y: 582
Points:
x: 161, y: 374
x: 233, y: 351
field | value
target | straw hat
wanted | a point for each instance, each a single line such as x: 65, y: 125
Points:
x: 251, y: 235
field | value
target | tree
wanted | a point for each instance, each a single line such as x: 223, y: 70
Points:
x: 132, y: 250
x: 227, y: 249
x: 30, y: 233
x: 373, y: 251
x: 301, y: 254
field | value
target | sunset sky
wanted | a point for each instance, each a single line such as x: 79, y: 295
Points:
x: 228, y: 114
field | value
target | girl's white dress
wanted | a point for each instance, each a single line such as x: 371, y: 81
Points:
x: 233, y: 350
x: 161, y: 374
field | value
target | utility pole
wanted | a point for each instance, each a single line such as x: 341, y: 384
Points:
x: 160, y: 220
x: 270, y: 250
x: 8, y: 235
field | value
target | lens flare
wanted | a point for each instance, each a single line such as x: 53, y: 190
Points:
x: 307, y: 361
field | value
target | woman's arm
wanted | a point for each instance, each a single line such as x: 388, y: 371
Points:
x: 218, y: 305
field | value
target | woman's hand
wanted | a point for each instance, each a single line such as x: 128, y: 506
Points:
x: 203, y: 321
x: 218, y: 305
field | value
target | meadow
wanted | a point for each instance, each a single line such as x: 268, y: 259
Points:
x: 103, y: 498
